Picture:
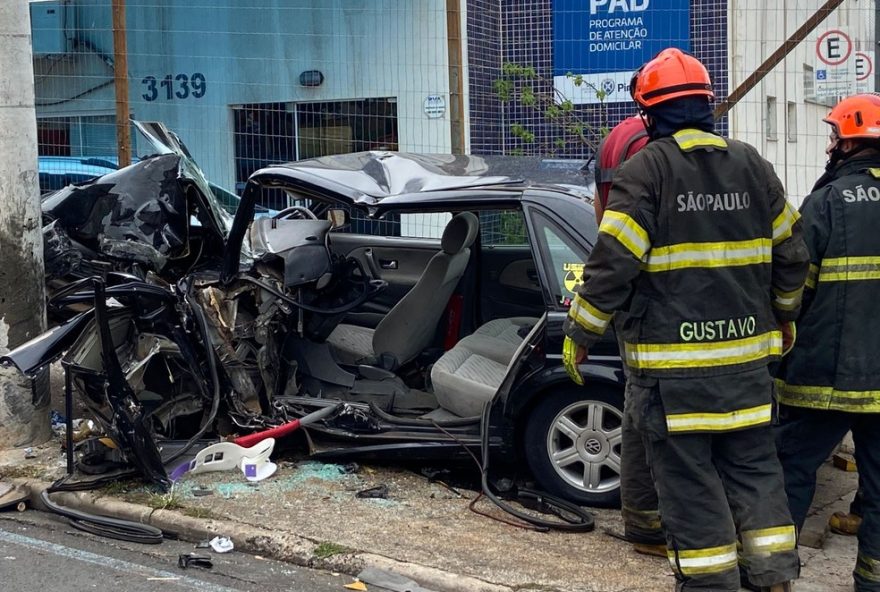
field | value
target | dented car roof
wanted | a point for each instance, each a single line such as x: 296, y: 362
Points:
x: 367, y: 178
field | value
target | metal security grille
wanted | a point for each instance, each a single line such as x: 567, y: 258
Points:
x: 244, y: 83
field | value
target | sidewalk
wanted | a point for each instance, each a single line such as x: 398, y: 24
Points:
x: 308, y: 514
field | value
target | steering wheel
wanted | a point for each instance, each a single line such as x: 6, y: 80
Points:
x: 300, y: 211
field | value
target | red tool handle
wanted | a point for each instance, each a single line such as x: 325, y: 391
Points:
x: 277, y: 432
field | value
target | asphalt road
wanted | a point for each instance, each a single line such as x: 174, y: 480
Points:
x: 42, y: 553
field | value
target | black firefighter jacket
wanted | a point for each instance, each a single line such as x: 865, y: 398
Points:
x: 835, y: 362
x: 700, y: 247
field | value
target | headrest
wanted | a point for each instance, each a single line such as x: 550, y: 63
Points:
x: 459, y: 233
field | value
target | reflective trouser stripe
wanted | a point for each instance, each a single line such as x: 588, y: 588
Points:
x: 692, y: 562
x: 588, y: 316
x: 812, y: 276
x: 667, y: 356
x: 769, y: 540
x: 787, y: 300
x: 783, y: 223
x: 688, y: 139
x: 848, y: 269
x: 709, y: 255
x: 827, y: 397
x: 627, y: 231
x: 647, y: 519
x: 868, y: 567
x: 719, y: 422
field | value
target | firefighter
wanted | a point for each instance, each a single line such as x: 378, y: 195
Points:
x: 701, y: 249
x: 641, y: 516
x: 830, y: 382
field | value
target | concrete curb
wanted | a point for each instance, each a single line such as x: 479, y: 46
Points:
x: 274, y: 544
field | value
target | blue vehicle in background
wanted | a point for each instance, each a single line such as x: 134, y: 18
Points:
x: 57, y: 172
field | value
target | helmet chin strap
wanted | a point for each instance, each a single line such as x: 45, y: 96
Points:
x: 839, y: 155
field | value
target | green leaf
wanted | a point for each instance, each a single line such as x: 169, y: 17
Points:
x: 567, y: 106
x: 503, y: 89
x: 559, y: 143
x: 527, y: 96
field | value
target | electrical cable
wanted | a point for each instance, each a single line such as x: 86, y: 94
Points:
x: 113, y: 528
x: 575, y: 518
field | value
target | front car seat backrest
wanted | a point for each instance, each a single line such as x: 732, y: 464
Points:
x: 409, y: 327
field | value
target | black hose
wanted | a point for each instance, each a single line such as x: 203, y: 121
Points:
x: 369, y: 290
x: 580, y: 521
x: 113, y: 528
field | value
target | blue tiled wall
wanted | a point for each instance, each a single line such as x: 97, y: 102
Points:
x: 520, y: 31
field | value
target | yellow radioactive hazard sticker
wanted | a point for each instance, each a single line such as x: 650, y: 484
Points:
x: 573, y: 273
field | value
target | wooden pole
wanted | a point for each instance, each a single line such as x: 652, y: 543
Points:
x: 456, y: 76
x: 120, y: 61
x: 783, y: 50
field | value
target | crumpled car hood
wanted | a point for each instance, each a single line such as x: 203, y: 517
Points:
x: 137, y: 213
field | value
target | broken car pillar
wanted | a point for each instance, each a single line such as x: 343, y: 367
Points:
x: 24, y: 417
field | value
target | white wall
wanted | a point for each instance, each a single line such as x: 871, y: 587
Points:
x: 254, y: 53
x: 756, y: 29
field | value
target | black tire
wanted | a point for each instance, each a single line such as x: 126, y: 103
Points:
x: 592, y: 455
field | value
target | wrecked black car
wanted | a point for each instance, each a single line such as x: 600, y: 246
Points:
x: 417, y: 300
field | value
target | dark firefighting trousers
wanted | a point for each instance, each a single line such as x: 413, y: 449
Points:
x: 638, y: 496
x: 805, y: 438
x: 713, y: 487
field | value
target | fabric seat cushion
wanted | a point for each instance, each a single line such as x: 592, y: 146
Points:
x: 507, y: 330
x: 464, y: 381
x: 499, y: 339
x: 353, y: 344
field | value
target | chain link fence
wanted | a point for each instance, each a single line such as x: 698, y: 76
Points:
x: 245, y: 84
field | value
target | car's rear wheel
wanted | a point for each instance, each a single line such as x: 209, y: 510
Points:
x: 572, y: 444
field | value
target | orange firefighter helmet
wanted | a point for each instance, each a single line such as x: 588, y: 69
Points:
x: 857, y: 116
x: 672, y: 74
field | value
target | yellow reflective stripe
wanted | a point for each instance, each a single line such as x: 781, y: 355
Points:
x: 874, y: 172
x: 627, y: 231
x: 667, y: 356
x: 720, y: 254
x: 787, y: 300
x: 828, y: 397
x: 719, y: 422
x: 688, y: 139
x: 703, y: 561
x: 784, y: 222
x: 868, y: 567
x: 812, y: 277
x: 842, y: 269
x: 588, y: 316
x: 769, y: 540
x: 647, y: 519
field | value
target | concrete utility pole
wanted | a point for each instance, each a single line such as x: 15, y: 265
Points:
x: 24, y: 417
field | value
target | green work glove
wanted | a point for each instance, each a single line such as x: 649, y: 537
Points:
x: 572, y: 355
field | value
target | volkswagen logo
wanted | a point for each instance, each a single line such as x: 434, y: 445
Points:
x: 608, y: 86
x: 593, y: 446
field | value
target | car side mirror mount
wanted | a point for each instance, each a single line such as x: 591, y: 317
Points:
x: 338, y: 219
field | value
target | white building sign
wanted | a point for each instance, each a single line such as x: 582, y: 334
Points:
x: 835, y: 72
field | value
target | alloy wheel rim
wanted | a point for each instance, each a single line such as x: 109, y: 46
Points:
x: 584, y: 442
